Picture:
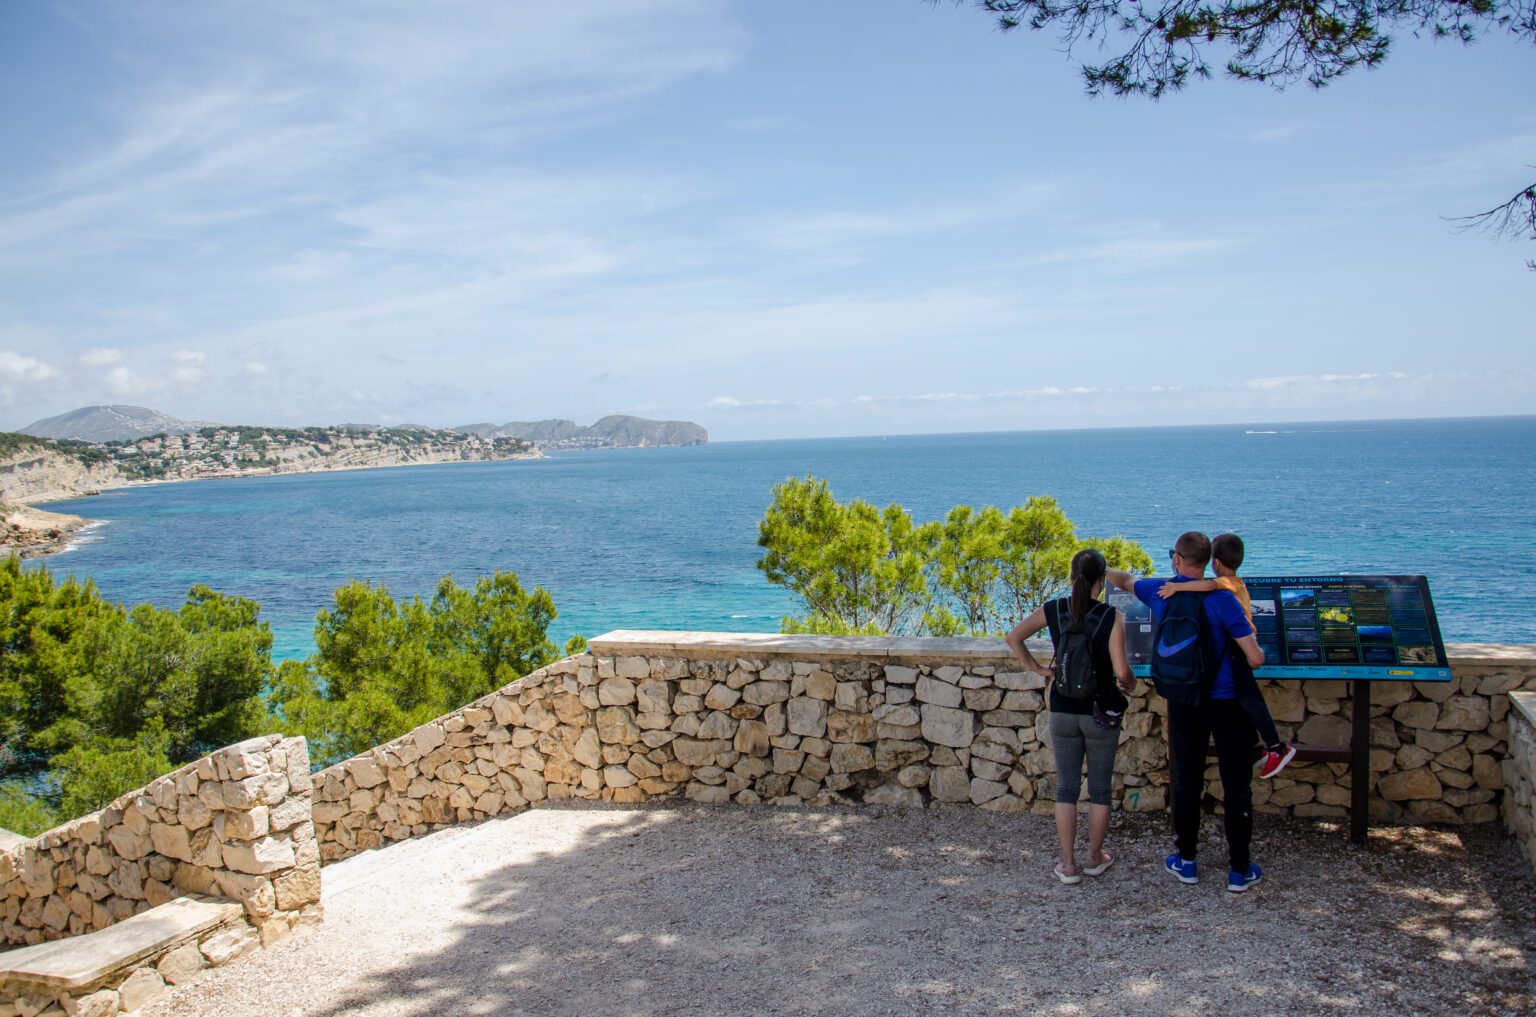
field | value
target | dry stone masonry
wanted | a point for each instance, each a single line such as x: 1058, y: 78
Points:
x: 1520, y: 772
x: 235, y: 824
x: 906, y: 722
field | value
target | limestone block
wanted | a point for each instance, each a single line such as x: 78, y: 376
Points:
x: 721, y: 697
x: 1464, y: 713
x: 944, y: 726
x: 705, y: 794
x: 1411, y: 757
x: 981, y: 700
x: 129, y: 845
x: 1417, y: 714
x: 938, y: 692
x: 248, y: 825
x: 893, y: 755
x: 692, y: 752
x: 764, y: 693
x: 1018, y: 681
x: 985, y: 790
x: 807, y: 716
x: 139, y: 988
x: 751, y: 738
x: 182, y: 963
x: 895, y: 675
x: 776, y: 717
x: 846, y: 726
x: 950, y: 784
x: 815, y: 767
x: 588, y: 748
x: 851, y: 758
x: 617, y: 691
x: 1487, y: 773
x: 616, y: 726
x: 820, y: 684
x: 1437, y: 692
x: 1410, y: 785
x: 776, y: 671
x: 851, y: 697
x: 631, y: 667
x: 902, y: 715
x: 223, y: 947
x: 898, y: 795
x: 716, y: 725
x: 989, y: 770
x: 1145, y: 799
x: 1324, y: 730
x: 366, y: 772
x: 1437, y: 741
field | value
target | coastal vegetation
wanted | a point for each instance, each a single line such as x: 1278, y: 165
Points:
x: 97, y: 699
x: 862, y: 570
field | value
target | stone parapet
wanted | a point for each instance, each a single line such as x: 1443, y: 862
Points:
x: 1520, y: 773
x: 817, y: 719
x: 234, y: 824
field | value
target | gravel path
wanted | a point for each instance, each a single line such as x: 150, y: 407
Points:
x: 687, y: 910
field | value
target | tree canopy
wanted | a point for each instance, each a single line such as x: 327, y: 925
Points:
x: 1163, y: 44
x: 862, y: 570
x: 97, y: 699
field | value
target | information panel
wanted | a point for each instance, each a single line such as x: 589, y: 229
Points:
x: 1326, y: 627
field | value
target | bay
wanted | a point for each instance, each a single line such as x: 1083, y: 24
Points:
x: 665, y: 538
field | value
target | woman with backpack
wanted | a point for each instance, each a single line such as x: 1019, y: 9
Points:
x: 1088, y: 681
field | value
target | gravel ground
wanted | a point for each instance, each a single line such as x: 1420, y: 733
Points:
x: 688, y: 910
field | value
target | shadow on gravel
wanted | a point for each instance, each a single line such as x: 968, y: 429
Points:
x: 760, y: 911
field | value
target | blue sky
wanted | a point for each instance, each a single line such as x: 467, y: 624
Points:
x: 778, y: 219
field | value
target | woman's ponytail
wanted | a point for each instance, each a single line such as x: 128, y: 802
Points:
x: 1088, y: 568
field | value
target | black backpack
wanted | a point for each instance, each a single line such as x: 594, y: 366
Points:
x: 1075, y: 678
x: 1181, y: 655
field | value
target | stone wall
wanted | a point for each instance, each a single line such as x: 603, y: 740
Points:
x: 233, y: 824
x: 789, y: 719
x: 1520, y: 772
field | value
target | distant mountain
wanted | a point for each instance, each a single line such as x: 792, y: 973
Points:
x: 111, y: 423
x: 616, y: 431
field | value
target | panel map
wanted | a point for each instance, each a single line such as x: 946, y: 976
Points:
x: 1326, y: 627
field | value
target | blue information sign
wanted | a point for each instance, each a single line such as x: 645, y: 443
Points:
x: 1377, y: 627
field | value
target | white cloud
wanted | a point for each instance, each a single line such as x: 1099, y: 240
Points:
x: 24, y: 368
x: 255, y: 368
x: 1270, y: 135
x: 99, y: 356
x: 194, y: 358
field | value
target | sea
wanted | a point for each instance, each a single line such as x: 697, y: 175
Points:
x: 665, y: 538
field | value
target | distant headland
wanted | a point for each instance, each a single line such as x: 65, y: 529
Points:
x: 96, y: 448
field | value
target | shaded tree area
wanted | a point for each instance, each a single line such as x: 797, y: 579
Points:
x: 97, y: 699
x: 1159, y: 46
x: 861, y: 570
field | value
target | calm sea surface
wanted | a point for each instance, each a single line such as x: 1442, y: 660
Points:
x: 666, y: 538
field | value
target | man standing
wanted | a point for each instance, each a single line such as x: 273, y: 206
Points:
x: 1213, y: 713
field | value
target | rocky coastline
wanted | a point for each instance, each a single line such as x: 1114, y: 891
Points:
x: 29, y: 532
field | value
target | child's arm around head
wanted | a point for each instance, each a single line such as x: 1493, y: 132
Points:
x: 1191, y: 586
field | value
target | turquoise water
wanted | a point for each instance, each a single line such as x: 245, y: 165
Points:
x: 665, y: 538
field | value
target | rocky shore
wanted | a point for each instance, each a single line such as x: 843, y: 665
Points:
x: 31, y: 532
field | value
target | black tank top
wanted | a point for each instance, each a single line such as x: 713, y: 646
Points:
x: 1100, y: 625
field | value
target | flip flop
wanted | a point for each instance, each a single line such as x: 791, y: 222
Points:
x: 1099, y: 869
x: 1067, y: 878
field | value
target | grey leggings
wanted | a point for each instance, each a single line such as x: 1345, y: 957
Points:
x: 1074, y: 735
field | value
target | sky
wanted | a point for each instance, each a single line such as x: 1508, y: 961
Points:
x: 784, y: 219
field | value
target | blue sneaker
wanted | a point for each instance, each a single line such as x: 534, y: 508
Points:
x: 1237, y: 882
x: 1183, y: 870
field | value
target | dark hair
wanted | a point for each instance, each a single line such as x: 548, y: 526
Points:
x: 1228, y: 549
x: 1088, y: 567
x: 1194, y: 547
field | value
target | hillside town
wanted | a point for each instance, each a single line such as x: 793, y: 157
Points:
x: 236, y: 451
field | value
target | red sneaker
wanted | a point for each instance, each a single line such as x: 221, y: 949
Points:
x: 1274, y: 762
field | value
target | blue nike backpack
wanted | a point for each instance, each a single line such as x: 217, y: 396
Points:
x: 1181, y: 665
